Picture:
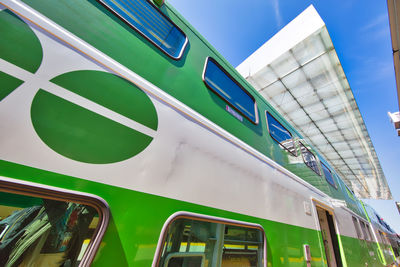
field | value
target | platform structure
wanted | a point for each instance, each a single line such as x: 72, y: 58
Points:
x: 299, y: 73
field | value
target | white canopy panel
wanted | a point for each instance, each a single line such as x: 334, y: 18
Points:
x: 299, y: 73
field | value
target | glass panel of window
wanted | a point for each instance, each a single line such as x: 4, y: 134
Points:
x: 364, y: 230
x: 369, y: 234
x: 309, y: 159
x: 280, y: 134
x: 328, y: 175
x: 383, y: 237
x: 357, y: 227
x: 38, y: 231
x: 151, y: 23
x: 189, y: 242
x: 219, y: 81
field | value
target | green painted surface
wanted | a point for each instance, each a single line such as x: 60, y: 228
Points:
x: 113, y: 92
x: 132, y: 237
x: 357, y: 252
x: 18, y: 43
x: 82, y: 135
x: 7, y: 84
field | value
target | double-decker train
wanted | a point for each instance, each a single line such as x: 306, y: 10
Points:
x: 127, y: 140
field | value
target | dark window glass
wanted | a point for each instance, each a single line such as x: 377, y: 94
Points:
x: 328, y: 175
x: 309, y: 159
x: 280, y: 134
x: 44, y: 232
x: 151, y: 23
x: 184, y: 259
x: 203, y: 243
x: 229, y: 90
x: 357, y: 227
x: 364, y: 230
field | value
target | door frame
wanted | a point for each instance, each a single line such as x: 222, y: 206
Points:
x: 329, y: 209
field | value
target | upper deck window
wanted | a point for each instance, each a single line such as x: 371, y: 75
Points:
x: 151, y: 23
x: 328, y: 175
x: 218, y: 80
x: 280, y: 134
x: 309, y: 159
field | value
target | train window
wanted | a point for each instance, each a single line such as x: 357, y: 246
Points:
x: 364, y: 230
x: 357, y: 227
x: 309, y: 159
x: 150, y: 23
x: 221, y: 83
x: 280, y: 134
x: 328, y: 175
x: 46, y: 231
x: 383, y: 237
x: 199, y: 242
x: 369, y: 234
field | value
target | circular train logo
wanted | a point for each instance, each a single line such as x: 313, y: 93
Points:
x: 83, y: 134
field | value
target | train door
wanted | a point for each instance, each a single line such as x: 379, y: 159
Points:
x: 329, y: 238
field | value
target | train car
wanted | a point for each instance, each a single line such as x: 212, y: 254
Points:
x: 128, y: 140
x: 387, y: 240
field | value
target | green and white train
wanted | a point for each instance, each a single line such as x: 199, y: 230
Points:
x: 127, y: 140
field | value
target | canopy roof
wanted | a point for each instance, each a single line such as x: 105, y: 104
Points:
x: 299, y: 73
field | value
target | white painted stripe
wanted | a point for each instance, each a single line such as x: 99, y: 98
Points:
x: 73, y: 98
x: 2, y: 7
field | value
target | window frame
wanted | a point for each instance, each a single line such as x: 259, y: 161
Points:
x: 368, y: 230
x: 357, y: 227
x: 333, y: 179
x: 144, y: 35
x: 291, y: 135
x: 319, y: 170
x: 364, y: 230
x: 209, y: 58
x: 204, y: 218
x: 19, y: 187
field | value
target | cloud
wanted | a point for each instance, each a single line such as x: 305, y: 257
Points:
x: 379, y: 21
x: 277, y: 11
x: 377, y: 29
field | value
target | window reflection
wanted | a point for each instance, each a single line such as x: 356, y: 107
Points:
x: 309, y: 159
x: 43, y: 232
x: 202, y: 243
x: 328, y: 175
x: 279, y: 133
x: 146, y: 19
x: 229, y: 90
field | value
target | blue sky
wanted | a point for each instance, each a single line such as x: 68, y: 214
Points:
x: 360, y: 33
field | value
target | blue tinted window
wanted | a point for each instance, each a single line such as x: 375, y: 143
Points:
x: 280, y: 134
x: 328, y: 175
x: 309, y: 159
x: 146, y: 19
x: 224, y: 86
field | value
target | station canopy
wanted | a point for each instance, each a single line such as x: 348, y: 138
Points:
x: 298, y: 72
